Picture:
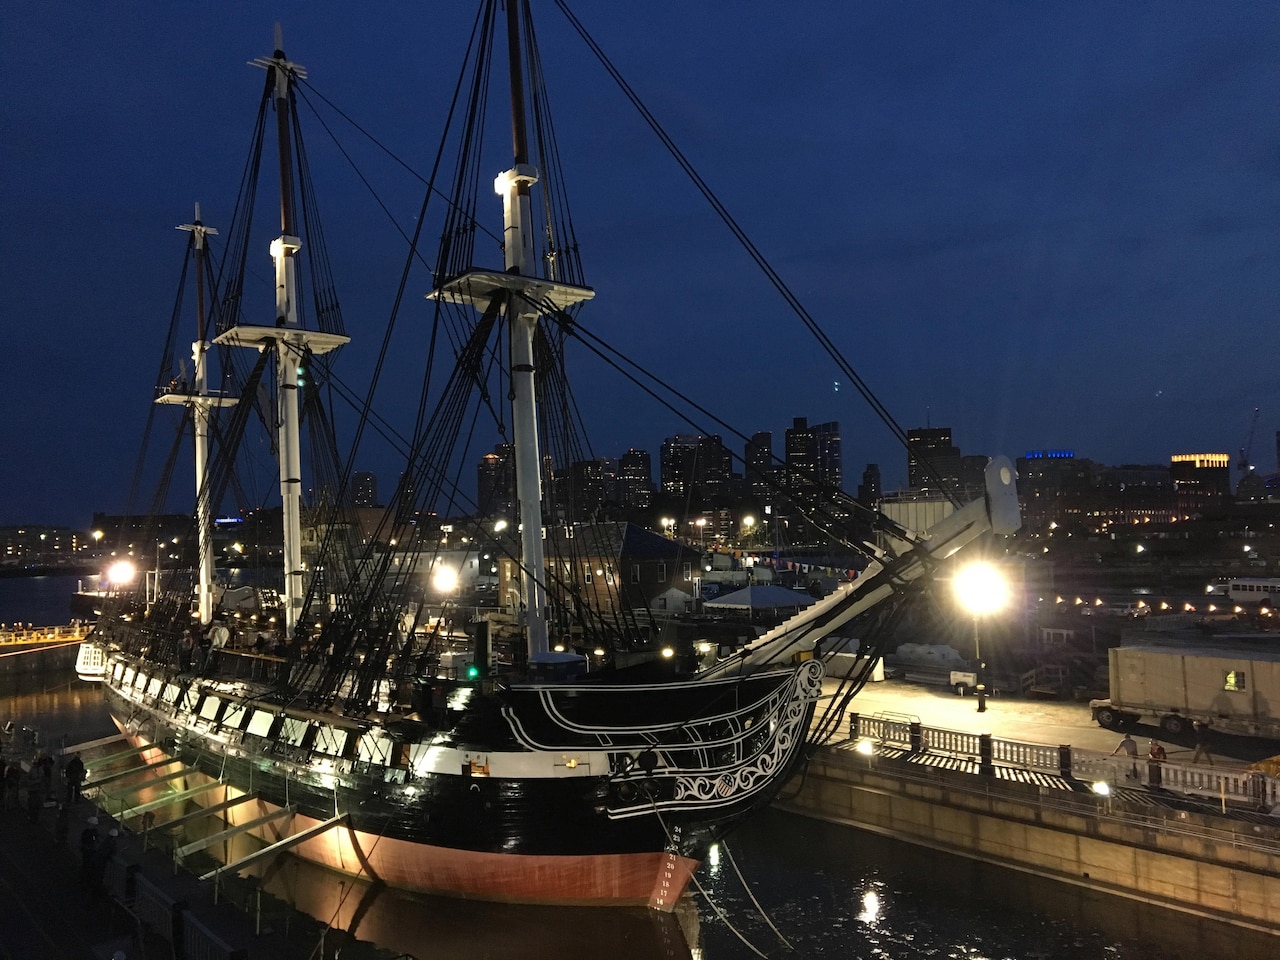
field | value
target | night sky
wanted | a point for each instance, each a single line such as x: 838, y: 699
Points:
x: 1043, y: 225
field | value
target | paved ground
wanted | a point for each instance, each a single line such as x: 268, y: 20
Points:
x: 1037, y: 721
x: 46, y: 911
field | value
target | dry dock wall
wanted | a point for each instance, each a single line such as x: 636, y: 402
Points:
x: 27, y: 659
x: 1216, y: 868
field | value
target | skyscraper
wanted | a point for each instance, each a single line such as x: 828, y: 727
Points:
x: 365, y: 487
x: 695, y: 466
x: 635, y: 476
x: 758, y: 458
x: 813, y: 456
x: 496, y: 482
x: 869, y: 488
x: 931, y: 447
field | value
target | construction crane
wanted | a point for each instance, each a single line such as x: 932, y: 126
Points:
x: 1243, y: 463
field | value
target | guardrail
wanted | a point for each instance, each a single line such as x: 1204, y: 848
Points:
x: 27, y: 633
x: 1250, y: 788
x: 1240, y: 834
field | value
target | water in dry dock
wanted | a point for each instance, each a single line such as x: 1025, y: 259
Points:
x: 831, y: 891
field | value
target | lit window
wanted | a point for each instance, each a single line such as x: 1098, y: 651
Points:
x: 1235, y: 680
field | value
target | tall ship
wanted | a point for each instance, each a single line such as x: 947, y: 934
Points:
x: 541, y: 740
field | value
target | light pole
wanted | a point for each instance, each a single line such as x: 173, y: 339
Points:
x: 981, y: 590
x: 701, y: 524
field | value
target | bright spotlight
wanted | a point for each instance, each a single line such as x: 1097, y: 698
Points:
x: 121, y: 572
x: 444, y: 579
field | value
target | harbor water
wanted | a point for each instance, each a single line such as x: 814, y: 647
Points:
x: 783, y: 885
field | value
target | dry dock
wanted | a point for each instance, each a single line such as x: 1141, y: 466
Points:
x: 1205, y: 841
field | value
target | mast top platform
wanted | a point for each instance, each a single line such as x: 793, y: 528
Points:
x: 247, y: 335
x: 479, y: 287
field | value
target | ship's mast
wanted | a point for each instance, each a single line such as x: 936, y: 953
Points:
x: 525, y: 294
x: 522, y: 323
x: 201, y: 400
x: 289, y: 352
x: 292, y: 343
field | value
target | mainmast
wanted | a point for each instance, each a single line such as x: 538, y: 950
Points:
x: 525, y: 296
x: 522, y: 323
x: 201, y: 402
x: 292, y: 343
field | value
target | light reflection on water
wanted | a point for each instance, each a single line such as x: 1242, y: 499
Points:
x: 828, y: 890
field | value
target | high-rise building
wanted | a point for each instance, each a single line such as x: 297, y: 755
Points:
x: 695, y: 466
x: 830, y: 469
x: 760, y: 470
x: 677, y: 463
x: 496, y: 482
x: 869, y: 488
x: 933, y: 462
x: 635, y: 480
x: 1200, y: 480
x: 813, y: 456
x: 586, y: 491
x: 365, y: 487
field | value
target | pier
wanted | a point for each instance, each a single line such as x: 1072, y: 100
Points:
x: 27, y: 649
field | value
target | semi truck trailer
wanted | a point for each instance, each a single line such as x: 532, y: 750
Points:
x: 1235, y: 689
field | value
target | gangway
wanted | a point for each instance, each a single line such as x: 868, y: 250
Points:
x: 182, y: 796
x: 91, y: 744
x: 280, y: 845
x: 207, y: 811
x: 197, y: 845
x: 124, y: 774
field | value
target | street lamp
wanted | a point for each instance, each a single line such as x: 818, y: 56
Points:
x: 701, y: 524
x: 747, y: 524
x: 981, y: 590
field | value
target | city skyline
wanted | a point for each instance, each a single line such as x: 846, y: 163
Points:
x: 1046, y: 227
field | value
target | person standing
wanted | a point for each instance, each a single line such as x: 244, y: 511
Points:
x: 75, y: 774
x: 1155, y: 756
x: 1201, y: 730
x: 1129, y: 747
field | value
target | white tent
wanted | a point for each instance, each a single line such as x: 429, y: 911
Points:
x: 761, y: 597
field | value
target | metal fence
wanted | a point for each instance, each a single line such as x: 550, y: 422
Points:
x: 27, y: 633
x: 1250, y: 788
x: 202, y: 943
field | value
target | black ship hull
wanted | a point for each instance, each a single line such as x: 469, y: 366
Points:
x: 611, y: 817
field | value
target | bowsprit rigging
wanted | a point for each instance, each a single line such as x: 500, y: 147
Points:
x: 536, y: 749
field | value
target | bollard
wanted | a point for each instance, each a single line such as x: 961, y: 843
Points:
x: 1064, y: 760
x: 985, y: 765
x: 855, y: 723
x: 917, y: 737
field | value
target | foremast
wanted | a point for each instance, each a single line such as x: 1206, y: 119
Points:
x: 525, y: 295
x: 201, y: 403
x: 293, y: 345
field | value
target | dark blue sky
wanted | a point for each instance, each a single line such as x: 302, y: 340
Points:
x: 1039, y: 224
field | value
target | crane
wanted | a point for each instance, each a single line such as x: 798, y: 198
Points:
x: 1243, y: 463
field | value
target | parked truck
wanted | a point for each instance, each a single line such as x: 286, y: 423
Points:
x: 1235, y: 689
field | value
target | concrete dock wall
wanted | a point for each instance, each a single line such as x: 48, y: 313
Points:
x: 1217, y: 868
x: 38, y: 657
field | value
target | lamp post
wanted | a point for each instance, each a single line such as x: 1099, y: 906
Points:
x: 981, y: 590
